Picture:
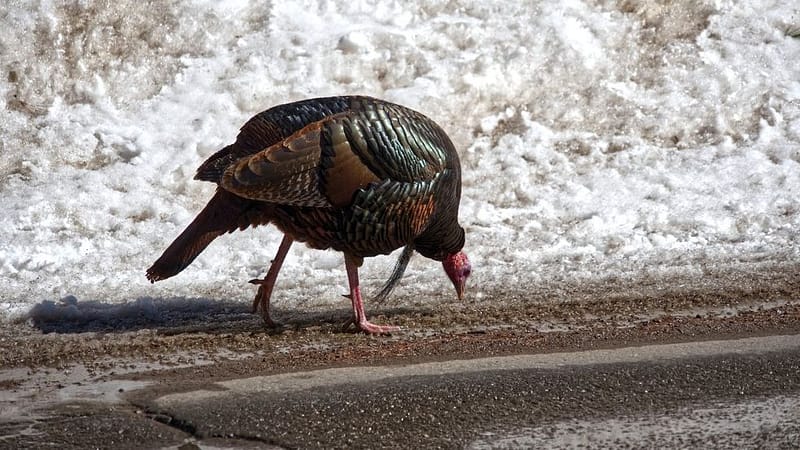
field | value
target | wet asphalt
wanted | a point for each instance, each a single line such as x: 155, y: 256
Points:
x: 742, y: 393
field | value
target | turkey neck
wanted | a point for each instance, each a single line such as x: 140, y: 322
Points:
x: 443, y: 235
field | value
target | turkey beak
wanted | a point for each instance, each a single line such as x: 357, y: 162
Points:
x: 460, y: 287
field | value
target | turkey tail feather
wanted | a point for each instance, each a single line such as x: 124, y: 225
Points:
x: 225, y: 212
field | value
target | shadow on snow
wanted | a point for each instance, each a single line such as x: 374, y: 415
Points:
x: 176, y: 315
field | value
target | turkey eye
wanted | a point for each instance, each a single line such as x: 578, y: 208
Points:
x: 467, y: 272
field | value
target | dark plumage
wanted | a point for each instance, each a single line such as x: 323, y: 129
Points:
x: 356, y: 174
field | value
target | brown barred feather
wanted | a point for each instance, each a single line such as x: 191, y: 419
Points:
x: 285, y: 173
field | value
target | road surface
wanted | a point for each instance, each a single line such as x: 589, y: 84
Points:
x: 598, y: 367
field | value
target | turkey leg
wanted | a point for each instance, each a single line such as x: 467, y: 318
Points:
x: 265, y: 286
x: 359, y: 316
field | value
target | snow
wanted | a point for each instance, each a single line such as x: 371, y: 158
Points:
x: 597, y: 138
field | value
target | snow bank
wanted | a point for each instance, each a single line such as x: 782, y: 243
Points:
x: 597, y: 138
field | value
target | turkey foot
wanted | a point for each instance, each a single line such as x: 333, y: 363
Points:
x: 262, y: 299
x: 369, y: 327
x: 359, y: 316
x: 266, y: 285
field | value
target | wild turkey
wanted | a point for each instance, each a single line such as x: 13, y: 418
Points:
x: 356, y: 174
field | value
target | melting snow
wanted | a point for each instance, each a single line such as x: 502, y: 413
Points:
x: 596, y: 137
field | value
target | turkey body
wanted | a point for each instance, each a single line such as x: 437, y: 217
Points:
x: 355, y: 174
